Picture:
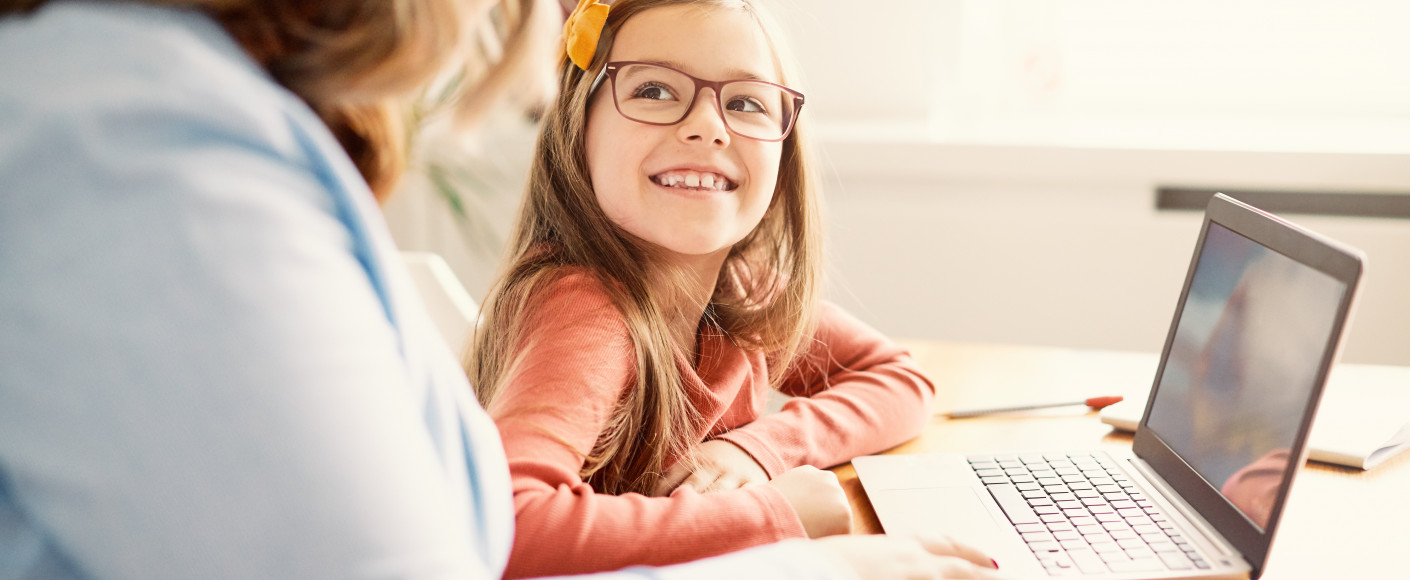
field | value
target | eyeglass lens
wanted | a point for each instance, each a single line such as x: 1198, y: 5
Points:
x: 658, y: 95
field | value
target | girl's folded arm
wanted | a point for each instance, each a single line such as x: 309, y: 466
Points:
x: 576, y: 361
x: 857, y: 392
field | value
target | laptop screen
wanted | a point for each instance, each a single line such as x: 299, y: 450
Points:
x: 1242, y: 366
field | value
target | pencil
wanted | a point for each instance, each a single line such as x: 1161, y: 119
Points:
x: 1094, y: 402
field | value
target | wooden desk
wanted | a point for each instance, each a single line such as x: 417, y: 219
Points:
x: 1340, y: 522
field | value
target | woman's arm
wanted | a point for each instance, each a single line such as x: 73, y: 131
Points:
x: 576, y: 360
x: 198, y: 377
x: 856, y: 391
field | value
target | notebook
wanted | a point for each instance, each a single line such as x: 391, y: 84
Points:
x: 1364, y: 418
x: 1257, y: 326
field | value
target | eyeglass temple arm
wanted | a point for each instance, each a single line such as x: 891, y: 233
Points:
x: 601, y: 76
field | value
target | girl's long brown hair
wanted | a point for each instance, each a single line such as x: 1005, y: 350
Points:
x: 360, y: 64
x: 765, y: 298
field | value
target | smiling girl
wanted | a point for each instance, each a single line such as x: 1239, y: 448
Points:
x: 663, y: 279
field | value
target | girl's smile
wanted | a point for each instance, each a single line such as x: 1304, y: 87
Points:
x: 695, y: 180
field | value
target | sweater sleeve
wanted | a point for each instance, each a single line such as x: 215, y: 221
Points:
x: 574, y: 360
x: 856, y: 391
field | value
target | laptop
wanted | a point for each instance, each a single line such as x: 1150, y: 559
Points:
x: 1258, y: 325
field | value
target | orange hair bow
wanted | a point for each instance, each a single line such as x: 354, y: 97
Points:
x: 581, y: 31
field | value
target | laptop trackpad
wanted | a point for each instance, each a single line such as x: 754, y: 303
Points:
x: 957, y: 512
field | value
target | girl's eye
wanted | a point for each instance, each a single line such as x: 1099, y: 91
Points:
x: 745, y: 105
x: 654, y: 91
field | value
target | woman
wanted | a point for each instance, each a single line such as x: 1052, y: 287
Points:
x: 211, y: 361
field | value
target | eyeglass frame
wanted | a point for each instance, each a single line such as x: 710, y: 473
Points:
x: 609, y: 71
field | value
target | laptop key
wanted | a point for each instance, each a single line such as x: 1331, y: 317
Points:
x: 1057, y: 560
x: 1043, y: 536
x: 1013, y: 504
x: 1137, y: 565
x: 1130, y: 542
x: 1141, y: 552
x: 1087, y: 561
x: 1175, y: 560
x: 1027, y: 528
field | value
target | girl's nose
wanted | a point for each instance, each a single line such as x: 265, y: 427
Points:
x: 704, y: 122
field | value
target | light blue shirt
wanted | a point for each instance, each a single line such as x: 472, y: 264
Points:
x: 212, y: 364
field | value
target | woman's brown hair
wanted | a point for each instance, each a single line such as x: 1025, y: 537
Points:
x: 360, y: 65
x: 765, y: 298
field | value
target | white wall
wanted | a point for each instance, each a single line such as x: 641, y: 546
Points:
x: 1065, y: 247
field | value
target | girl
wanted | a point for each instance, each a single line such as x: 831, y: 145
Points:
x: 663, y: 277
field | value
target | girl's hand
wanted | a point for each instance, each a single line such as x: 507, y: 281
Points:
x: 908, y: 557
x: 817, y: 498
x: 720, y: 465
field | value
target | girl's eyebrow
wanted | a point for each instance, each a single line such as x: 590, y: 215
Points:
x: 734, y: 74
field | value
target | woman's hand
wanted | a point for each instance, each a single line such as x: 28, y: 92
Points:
x: 817, y: 498
x: 908, y: 557
x: 719, y: 465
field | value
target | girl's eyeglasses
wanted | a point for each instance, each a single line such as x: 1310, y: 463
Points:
x: 660, y: 95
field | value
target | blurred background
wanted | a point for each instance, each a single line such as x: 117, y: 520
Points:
x: 1032, y: 171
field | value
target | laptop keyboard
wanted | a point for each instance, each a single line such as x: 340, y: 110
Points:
x: 1081, y: 514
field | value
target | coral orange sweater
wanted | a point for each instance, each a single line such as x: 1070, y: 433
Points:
x: 860, y: 393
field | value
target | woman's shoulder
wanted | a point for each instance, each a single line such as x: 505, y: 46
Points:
x: 112, y: 69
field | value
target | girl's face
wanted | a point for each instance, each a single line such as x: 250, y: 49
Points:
x: 631, y: 163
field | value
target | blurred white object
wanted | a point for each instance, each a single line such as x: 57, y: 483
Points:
x: 450, y: 306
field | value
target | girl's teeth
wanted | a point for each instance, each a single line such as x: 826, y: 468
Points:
x: 694, y: 181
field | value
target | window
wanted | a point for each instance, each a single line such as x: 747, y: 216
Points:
x: 1286, y: 75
